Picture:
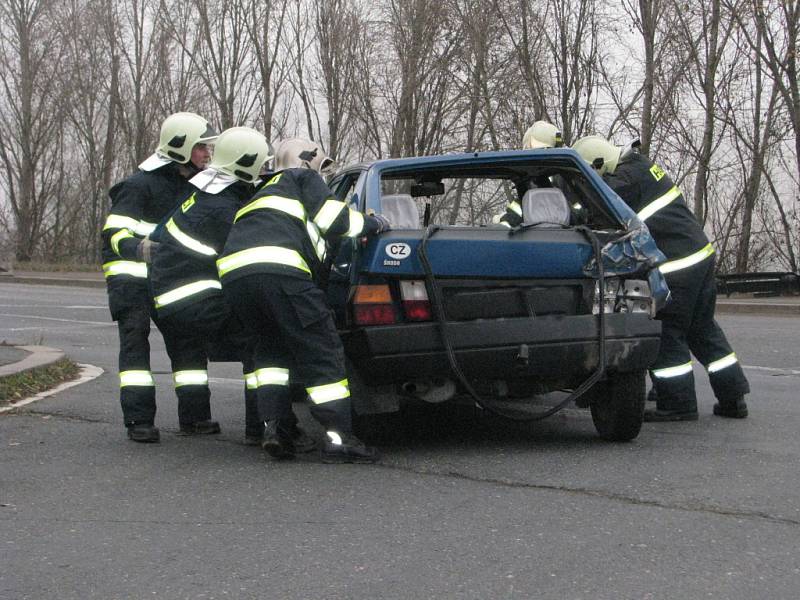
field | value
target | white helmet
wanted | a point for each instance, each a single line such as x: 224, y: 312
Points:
x: 598, y: 152
x: 179, y: 134
x: 541, y: 135
x: 299, y: 153
x: 241, y: 152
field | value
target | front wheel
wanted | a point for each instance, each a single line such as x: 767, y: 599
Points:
x: 617, y: 406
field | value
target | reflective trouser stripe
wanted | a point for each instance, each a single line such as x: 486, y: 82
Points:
x: 722, y: 363
x: 125, y: 267
x: 659, y: 203
x: 272, y: 376
x: 188, y: 241
x: 262, y: 254
x: 287, y: 205
x: 328, y: 213
x: 140, y: 378
x: 250, y: 381
x: 118, y: 237
x: 356, y: 223
x: 320, y: 394
x: 120, y: 222
x: 670, y: 372
x: 185, y: 291
x: 190, y: 378
x: 687, y: 261
x: 515, y: 208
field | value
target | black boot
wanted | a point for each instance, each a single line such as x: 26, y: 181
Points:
x: 662, y: 416
x: 733, y: 409
x: 347, y: 449
x: 276, y: 441
x: 206, y: 427
x: 144, y: 433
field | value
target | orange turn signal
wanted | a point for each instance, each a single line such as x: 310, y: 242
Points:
x: 372, y: 294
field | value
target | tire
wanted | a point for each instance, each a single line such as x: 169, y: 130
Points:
x: 617, y: 406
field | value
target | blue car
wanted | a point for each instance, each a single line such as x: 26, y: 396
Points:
x: 452, y: 304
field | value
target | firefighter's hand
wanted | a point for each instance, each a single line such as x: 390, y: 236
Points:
x: 382, y: 223
x: 146, y: 250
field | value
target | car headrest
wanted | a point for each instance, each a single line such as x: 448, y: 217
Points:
x: 545, y: 207
x: 401, y: 210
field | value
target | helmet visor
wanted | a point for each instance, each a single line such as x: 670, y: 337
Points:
x: 209, y: 136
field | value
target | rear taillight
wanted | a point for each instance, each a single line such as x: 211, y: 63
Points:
x: 372, y: 305
x: 414, y: 298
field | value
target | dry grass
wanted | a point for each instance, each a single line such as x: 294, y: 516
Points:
x: 22, y: 385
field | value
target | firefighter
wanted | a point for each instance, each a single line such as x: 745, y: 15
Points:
x: 183, y: 275
x: 138, y: 203
x: 688, y: 325
x: 539, y: 135
x: 270, y: 270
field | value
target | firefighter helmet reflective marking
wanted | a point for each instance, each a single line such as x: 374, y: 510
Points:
x: 179, y: 134
x: 598, y: 152
x: 299, y: 153
x: 541, y: 135
x: 241, y: 152
x: 676, y: 371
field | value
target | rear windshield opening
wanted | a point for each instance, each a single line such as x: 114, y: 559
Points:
x: 476, y: 196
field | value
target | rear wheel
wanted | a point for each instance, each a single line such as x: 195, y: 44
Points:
x: 617, y: 406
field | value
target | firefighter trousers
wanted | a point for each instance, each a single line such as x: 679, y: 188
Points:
x: 295, y: 329
x: 689, y: 328
x: 194, y: 333
x: 137, y: 389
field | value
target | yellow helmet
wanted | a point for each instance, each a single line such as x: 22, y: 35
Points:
x: 241, y: 152
x: 299, y: 153
x: 179, y: 134
x: 598, y: 152
x: 541, y: 135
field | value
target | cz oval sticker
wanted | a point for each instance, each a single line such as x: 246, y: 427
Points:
x: 398, y: 251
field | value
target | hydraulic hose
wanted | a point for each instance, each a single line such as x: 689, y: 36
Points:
x: 438, y: 304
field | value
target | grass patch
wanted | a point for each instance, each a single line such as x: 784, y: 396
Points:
x: 22, y: 385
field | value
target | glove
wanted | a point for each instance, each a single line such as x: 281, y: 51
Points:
x: 146, y: 250
x: 382, y: 223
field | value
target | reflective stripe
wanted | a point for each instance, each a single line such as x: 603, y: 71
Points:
x: 356, y: 223
x: 670, y: 372
x: 722, y: 363
x: 287, y: 205
x: 328, y: 214
x: 187, y: 290
x: 334, y: 437
x: 125, y: 267
x: 505, y: 224
x: 515, y: 208
x: 188, y: 240
x: 272, y: 376
x: 316, y: 239
x: 687, y: 261
x: 262, y: 254
x: 190, y: 378
x: 141, y: 378
x: 321, y: 394
x: 250, y: 381
x: 144, y: 228
x: 118, y: 237
x: 659, y: 203
x: 120, y: 222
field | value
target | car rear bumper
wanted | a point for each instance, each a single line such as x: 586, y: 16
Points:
x: 559, y: 348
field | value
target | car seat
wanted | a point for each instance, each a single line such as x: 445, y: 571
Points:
x: 545, y: 207
x: 401, y: 210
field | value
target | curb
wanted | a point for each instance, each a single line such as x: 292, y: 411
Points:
x: 72, y: 282
x: 759, y: 308
x: 40, y: 356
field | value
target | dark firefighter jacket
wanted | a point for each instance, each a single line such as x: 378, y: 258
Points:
x: 648, y: 190
x: 284, y: 227
x: 138, y: 203
x: 184, y: 269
